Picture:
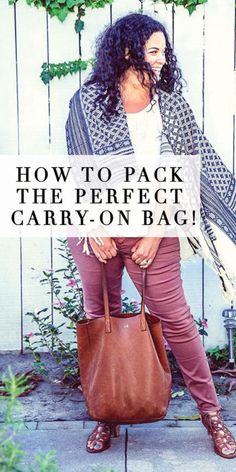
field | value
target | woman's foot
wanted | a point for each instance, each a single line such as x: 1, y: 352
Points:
x: 100, y: 438
x: 224, y: 442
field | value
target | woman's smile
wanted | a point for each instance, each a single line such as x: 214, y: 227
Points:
x: 155, y: 51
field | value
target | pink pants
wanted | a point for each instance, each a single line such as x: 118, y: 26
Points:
x: 164, y: 297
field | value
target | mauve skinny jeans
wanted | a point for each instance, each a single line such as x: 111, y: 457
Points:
x: 164, y: 297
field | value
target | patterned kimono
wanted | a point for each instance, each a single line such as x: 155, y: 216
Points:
x: 87, y: 133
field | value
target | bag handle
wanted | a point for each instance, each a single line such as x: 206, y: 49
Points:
x: 106, y: 302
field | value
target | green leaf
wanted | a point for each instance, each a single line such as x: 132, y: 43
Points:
x: 71, y: 3
x: 213, y: 350
x: 191, y: 9
x: 53, y: 5
x: 61, y: 13
x: 79, y: 26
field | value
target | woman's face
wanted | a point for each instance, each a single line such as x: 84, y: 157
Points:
x: 154, y: 51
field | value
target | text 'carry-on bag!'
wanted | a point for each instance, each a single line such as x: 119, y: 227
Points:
x: 125, y: 374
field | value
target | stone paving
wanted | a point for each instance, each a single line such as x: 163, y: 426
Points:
x: 55, y: 417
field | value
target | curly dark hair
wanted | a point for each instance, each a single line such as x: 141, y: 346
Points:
x: 130, y: 32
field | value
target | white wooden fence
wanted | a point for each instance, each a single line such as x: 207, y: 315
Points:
x: 32, y: 121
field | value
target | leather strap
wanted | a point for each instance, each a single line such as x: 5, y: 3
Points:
x: 106, y: 301
x: 142, y: 317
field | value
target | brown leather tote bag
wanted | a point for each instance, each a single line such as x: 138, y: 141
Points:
x: 125, y: 374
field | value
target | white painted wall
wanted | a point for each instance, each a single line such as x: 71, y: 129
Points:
x: 204, y: 45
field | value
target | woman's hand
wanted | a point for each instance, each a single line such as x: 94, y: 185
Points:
x: 104, y: 249
x: 144, y: 251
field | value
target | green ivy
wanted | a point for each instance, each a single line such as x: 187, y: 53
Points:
x: 190, y: 5
x: 49, y: 71
x: 62, y: 8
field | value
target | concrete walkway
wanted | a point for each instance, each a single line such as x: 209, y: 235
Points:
x: 55, y: 418
x: 164, y: 448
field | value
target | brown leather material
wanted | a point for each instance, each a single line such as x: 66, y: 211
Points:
x: 125, y: 374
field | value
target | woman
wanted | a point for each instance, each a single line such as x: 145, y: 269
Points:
x: 135, y: 67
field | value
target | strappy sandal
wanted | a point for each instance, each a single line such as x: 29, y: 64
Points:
x: 100, y: 438
x: 222, y: 438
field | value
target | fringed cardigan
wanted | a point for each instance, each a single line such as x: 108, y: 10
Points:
x: 88, y: 133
